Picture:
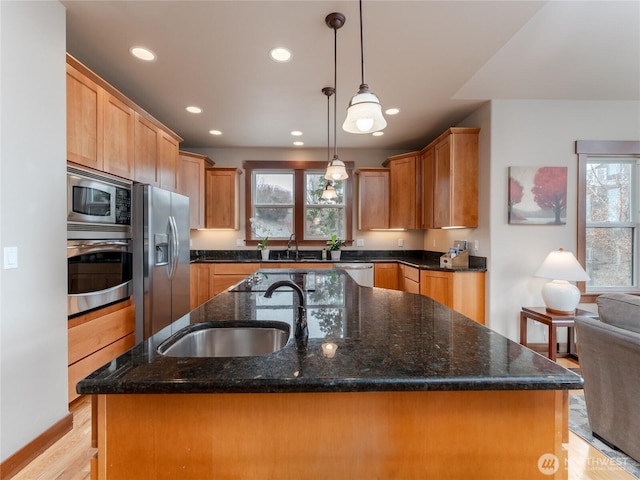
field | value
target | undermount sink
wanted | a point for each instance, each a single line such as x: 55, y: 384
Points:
x: 227, y: 339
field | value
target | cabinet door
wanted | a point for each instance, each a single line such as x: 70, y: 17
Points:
x: 437, y: 285
x: 469, y: 294
x: 146, y: 151
x: 84, y: 120
x: 427, y: 168
x: 191, y: 184
x: 168, y: 161
x: 385, y: 275
x: 456, y: 179
x: 403, y: 205
x: 222, y: 201
x: 201, y: 285
x: 118, y: 138
x: 373, y: 198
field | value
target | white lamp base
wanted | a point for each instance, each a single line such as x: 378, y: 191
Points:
x: 561, y: 297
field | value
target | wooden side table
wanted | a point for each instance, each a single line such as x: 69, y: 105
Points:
x: 552, y: 321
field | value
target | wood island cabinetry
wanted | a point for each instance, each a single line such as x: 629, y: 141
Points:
x: 191, y: 184
x: 222, y: 199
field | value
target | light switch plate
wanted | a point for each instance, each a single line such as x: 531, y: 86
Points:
x: 10, y: 257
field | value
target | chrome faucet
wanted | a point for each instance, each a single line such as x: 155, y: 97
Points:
x: 291, y: 238
x: 302, y: 332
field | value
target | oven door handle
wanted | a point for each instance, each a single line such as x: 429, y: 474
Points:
x: 94, y: 247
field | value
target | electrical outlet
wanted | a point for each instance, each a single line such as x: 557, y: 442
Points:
x: 239, y: 242
x: 10, y: 257
x: 401, y: 242
x: 476, y: 245
x: 360, y: 242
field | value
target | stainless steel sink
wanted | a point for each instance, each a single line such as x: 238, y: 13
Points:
x: 227, y: 339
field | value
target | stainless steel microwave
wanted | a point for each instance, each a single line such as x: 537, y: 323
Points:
x: 98, y: 206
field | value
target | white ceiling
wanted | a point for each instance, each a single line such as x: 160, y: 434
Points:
x: 436, y: 61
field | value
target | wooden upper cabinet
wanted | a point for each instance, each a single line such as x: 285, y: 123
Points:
x: 168, y: 162
x: 456, y: 178
x: 427, y: 170
x: 191, y: 184
x: 108, y: 132
x: 84, y: 120
x: 222, y: 200
x: 146, y: 151
x: 118, y: 120
x: 373, y: 198
x: 403, y: 191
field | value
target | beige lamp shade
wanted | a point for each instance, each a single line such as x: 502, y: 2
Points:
x: 559, y: 295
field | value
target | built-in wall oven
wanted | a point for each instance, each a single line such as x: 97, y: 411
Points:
x: 99, y: 240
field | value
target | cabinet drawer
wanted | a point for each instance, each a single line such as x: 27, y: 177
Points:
x: 412, y: 274
x: 84, y: 367
x: 235, y: 268
x: 91, y: 336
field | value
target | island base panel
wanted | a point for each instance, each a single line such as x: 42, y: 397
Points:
x: 377, y: 435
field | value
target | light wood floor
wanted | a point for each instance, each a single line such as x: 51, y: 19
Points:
x: 68, y: 459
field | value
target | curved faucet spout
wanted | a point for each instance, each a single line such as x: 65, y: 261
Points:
x: 302, y: 332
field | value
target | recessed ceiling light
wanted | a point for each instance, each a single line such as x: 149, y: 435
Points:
x: 280, y: 54
x: 143, y: 53
x: 392, y: 111
x: 377, y: 134
x: 296, y: 133
x: 193, y: 109
x: 215, y: 132
x: 298, y: 144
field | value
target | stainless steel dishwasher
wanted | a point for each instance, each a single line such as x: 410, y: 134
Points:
x: 362, y: 273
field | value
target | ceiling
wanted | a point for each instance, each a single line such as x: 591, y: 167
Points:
x: 437, y: 61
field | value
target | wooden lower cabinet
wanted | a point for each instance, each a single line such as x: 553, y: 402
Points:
x: 228, y: 274
x: 409, y: 278
x: 98, y: 337
x: 385, y: 275
x: 210, y: 279
x: 456, y: 435
x: 463, y: 292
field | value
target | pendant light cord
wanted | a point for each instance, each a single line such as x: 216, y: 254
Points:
x: 335, y: 91
x: 361, y: 45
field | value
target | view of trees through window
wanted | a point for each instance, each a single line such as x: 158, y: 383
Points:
x: 611, y: 222
x: 274, y: 206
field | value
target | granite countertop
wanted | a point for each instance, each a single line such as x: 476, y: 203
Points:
x: 424, y: 260
x: 386, y: 341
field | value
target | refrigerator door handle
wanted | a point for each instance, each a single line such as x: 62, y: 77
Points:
x: 175, y: 246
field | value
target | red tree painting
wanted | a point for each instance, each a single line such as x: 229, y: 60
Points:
x: 537, y: 195
x: 550, y: 190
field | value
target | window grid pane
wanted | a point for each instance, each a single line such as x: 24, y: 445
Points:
x: 611, y: 223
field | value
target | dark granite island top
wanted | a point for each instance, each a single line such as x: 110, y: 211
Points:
x: 414, y: 391
x: 387, y: 341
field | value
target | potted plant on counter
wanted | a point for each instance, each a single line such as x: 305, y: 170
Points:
x: 334, y: 247
x: 259, y: 229
x: 262, y: 246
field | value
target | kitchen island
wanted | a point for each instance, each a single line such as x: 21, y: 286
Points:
x: 413, y: 391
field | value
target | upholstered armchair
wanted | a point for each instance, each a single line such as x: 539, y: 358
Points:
x: 609, y: 352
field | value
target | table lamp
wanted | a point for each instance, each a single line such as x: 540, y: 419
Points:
x: 559, y: 295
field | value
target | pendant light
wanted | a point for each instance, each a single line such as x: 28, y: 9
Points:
x: 329, y: 192
x: 336, y: 169
x: 364, y: 114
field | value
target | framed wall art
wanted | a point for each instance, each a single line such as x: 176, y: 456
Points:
x: 537, y: 195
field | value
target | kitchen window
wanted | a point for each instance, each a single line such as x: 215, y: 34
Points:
x: 285, y: 198
x: 609, y: 215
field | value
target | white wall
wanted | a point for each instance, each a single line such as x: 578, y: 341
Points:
x: 233, y: 157
x: 33, y: 309
x: 537, y: 133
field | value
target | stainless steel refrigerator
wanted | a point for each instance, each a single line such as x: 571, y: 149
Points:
x: 161, y: 258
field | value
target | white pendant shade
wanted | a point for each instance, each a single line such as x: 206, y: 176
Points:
x: 329, y: 193
x: 336, y: 170
x: 364, y: 114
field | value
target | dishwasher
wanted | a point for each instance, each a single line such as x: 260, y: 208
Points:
x: 362, y: 273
